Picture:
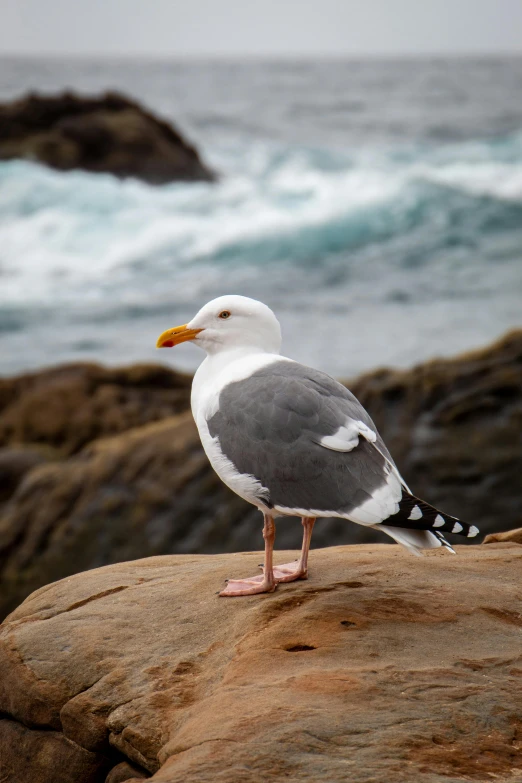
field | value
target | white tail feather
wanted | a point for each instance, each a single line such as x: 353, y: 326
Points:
x: 414, y: 540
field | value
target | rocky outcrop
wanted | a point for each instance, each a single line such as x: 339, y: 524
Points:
x: 62, y: 409
x: 100, y: 466
x: 508, y: 535
x: 381, y: 667
x: 142, y: 493
x: 109, y: 133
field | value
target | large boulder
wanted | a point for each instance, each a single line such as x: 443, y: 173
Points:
x: 381, y: 667
x: 109, y: 133
x: 107, y: 464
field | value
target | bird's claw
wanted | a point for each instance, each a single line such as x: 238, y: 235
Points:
x: 248, y: 586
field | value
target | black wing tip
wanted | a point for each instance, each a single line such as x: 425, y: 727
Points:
x: 443, y: 541
x: 416, y: 514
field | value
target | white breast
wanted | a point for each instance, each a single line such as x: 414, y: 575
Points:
x: 213, y: 375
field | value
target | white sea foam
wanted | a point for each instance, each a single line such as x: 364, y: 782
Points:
x: 337, y: 230
x: 498, y: 180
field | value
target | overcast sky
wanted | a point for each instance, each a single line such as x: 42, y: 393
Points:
x: 260, y: 27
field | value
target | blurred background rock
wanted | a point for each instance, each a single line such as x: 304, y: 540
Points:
x: 367, y: 186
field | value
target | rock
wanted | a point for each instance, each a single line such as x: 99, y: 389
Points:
x: 147, y: 491
x: 509, y: 535
x: 29, y: 755
x: 65, y: 408
x: 14, y: 464
x: 453, y: 426
x: 125, y: 772
x: 109, y: 133
x: 381, y: 667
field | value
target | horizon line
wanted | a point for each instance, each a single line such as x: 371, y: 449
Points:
x: 265, y: 57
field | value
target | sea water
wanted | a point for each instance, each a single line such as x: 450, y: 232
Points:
x: 375, y: 206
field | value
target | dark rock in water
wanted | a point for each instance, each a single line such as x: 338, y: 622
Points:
x: 125, y: 475
x: 141, y: 669
x: 110, y: 134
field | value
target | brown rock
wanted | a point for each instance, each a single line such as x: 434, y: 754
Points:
x: 515, y: 536
x: 30, y: 755
x: 109, y: 133
x: 382, y: 667
x: 125, y: 772
x: 67, y: 407
x: 144, y: 492
x: 15, y: 463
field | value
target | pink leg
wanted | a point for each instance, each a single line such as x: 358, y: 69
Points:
x: 289, y: 572
x: 257, y: 584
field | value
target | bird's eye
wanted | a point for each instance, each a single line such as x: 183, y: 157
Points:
x: 224, y: 314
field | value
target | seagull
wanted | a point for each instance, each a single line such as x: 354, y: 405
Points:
x: 293, y: 441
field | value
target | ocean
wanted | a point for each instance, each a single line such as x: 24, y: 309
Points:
x: 376, y: 206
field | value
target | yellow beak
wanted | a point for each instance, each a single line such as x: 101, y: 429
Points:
x: 177, y: 335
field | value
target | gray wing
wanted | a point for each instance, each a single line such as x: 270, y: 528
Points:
x: 297, y: 431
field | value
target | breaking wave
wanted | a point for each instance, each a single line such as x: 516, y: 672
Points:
x: 299, y: 227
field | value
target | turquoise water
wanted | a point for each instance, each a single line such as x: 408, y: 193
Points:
x: 377, y: 207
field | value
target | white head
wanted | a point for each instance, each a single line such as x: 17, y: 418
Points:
x: 227, y: 323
